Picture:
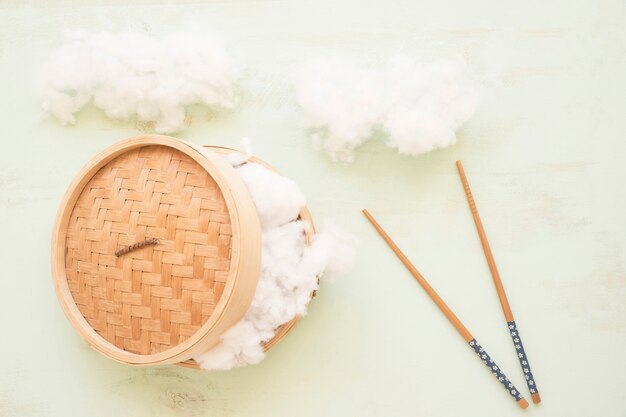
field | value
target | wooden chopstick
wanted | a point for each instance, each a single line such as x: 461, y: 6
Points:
x: 506, y: 308
x: 477, y: 348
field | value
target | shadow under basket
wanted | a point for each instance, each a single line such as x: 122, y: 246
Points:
x: 156, y: 251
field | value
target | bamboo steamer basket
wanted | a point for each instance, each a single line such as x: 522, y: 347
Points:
x: 163, y: 303
x: 305, y: 215
x: 156, y: 251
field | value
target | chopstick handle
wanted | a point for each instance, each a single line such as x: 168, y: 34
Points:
x: 523, y: 361
x: 497, y: 372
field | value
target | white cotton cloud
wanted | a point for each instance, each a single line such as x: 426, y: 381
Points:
x: 136, y: 75
x: 289, y: 268
x: 278, y: 199
x: 417, y: 106
x: 343, y: 105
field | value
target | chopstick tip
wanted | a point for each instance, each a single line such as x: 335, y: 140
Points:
x: 523, y: 403
x: 536, y: 398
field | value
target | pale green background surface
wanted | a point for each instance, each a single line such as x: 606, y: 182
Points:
x: 544, y: 153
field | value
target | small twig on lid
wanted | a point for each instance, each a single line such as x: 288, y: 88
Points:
x: 134, y: 246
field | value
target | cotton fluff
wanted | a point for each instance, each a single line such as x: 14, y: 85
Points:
x: 131, y: 74
x: 278, y: 199
x: 289, y: 269
x: 417, y: 106
x: 343, y: 104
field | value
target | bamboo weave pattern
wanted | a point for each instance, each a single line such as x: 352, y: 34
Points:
x: 155, y: 297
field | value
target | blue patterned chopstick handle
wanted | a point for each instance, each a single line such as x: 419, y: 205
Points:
x: 521, y: 355
x: 495, y: 369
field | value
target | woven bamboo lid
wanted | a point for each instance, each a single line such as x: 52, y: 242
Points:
x: 156, y: 250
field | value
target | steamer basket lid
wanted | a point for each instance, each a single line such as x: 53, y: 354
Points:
x: 156, y: 250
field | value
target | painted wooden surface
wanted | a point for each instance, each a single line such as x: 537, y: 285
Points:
x: 544, y: 153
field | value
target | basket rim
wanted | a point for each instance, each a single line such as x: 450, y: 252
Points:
x: 245, y: 253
